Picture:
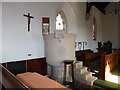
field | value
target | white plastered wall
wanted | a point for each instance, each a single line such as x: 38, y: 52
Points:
x: 82, y: 26
x: 18, y: 42
x: 111, y: 26
x: 99, y: 16
x: 111, y: 30
x: 0, y: 31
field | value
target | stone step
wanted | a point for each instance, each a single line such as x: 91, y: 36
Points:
x: 78, y: 64
x: 82, y: 70
x: 83, y: 75
x: 91, y: 80
x: 86, y: 75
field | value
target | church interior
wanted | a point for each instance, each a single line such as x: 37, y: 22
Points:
x: 66, y: 45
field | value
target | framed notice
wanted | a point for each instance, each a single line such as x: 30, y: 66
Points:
x: 45, y: 25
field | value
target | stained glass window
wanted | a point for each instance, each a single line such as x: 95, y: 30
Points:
x: 94, y: 28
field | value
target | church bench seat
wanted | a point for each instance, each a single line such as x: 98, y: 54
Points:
x: 35, y: 80
x: 27, y: 80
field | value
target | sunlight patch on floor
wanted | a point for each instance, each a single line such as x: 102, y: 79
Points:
x: 113, y: 78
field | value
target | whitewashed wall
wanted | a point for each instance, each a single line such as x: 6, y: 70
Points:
x: 82, y: 26
x: 111, y: 30
x: 107, y: 27
x: 111, y: 25
x: 18, y: 42
x: 0, y: 31
x: 99, y: 16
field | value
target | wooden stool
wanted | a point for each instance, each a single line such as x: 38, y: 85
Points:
x: 68, y: 62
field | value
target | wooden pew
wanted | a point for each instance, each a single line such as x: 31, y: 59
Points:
x: 80, y: 55
x: 91, y: 57
x: 111, y: 59
x: 10, y: 81
x: 27, y: 81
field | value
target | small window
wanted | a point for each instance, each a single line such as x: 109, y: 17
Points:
x: 94, y: 28
x: 60, y: 21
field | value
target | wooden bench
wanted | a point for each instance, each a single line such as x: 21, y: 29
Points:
x: 26, y: 80
x: 101, y: 59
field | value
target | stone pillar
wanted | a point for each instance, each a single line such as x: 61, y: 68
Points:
x: 57, y: 73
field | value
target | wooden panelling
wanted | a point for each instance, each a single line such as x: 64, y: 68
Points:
x: 91, y: 55
x: 102, y: 66
x: 37, y: 65
x: 112, y: 60
x: 80, y: 55
x: 17, y: 67
x: 5, y: 65
x: 94, y: 57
